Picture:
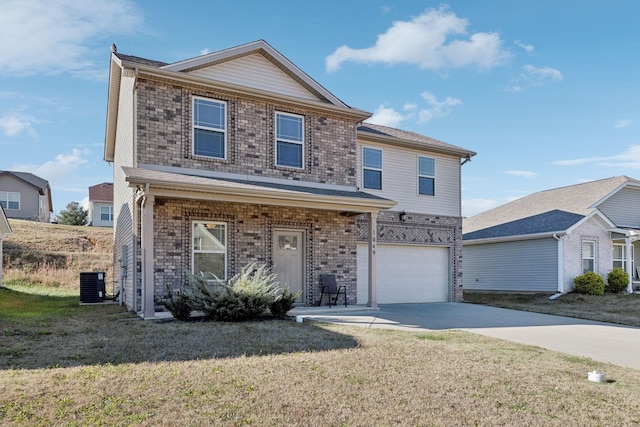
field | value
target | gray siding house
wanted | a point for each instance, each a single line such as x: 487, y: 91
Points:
x: 101, y: 205
x: 238, y: 156
x: 541, y: 242
x: 25, y: 196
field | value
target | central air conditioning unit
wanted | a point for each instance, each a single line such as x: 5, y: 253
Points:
x: 92, y: 287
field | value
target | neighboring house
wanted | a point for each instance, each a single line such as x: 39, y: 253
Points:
x: 543, y: 241
x: 101, y: 205
x: 25, y: 196
x: 5, y: 231
x: 238, y: 156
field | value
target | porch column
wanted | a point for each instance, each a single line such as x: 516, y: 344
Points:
x: 629, y: 263
x: 373, y: 238
x: 1, y: 256
x: 148, y: 292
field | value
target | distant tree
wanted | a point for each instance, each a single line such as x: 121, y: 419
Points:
x: 74, y: 214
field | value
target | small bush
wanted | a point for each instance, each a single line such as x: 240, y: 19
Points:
x: 178, y: 303
x: 617, y: 281
x: 284, y: 302
x: 589, y: 283
x: 248, y: 294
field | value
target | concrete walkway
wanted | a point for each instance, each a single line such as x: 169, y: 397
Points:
x: 604, y: 342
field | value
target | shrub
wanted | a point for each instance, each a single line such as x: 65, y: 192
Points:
x: 284, y: 302
x: 617, y: 280
x: 247, y: 294
x: 589, y: 283
x: 178, y: 303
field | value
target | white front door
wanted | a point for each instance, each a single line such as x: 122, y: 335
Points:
x: 288, y: 259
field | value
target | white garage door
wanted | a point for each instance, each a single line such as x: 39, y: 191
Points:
x: 406, y: 274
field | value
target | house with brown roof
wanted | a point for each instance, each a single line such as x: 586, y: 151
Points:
x: 24, y: 195
x: 100, y: 212
x: 541, y: 242
x: 238, y: 156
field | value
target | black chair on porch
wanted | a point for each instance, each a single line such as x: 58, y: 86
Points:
x: 329, y: 286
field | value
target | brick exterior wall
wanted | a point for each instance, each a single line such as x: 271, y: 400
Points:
x: 421, y: 229
x: 164, y: 127
x: 330, y: 241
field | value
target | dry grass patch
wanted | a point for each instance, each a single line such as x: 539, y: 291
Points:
x: 614, y: 308
x: 98, y: 365
x: 53, y: 255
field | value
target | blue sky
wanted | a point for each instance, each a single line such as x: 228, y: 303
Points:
x: 546, y: 92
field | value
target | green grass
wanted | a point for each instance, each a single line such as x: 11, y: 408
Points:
x: 71, y: 365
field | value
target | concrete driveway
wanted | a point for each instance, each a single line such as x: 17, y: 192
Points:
x: 604, y: 342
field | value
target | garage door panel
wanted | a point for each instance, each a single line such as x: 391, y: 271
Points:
x: 406, y: 274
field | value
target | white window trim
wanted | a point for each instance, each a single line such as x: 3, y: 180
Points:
x: 426, y: 176
x: 194, y: 127
x: 623, y: 260
x: 226, y: 246
x: 8, y: 194
x: 582, y: 255
x: 110, y: 213
x: 373, y: 169
x: 276, y: 139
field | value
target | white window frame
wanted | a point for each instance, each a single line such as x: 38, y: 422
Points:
x: 433, y: 177
x: 584, y: 258
x: 194, y: 126
x: 5, y: 199
x: 364, y: 167
x: 195, y: 251
x: 289, y: 141
x: 622, y: 261
x: 109, y: 213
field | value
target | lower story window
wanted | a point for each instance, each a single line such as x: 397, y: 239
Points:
x: 210, y: 250
x: 620, y: 256
x: 106, y: 213
x: 588, y: 255
x: 10, y: 200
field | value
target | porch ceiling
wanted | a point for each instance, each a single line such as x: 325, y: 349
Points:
x: 185, y: 186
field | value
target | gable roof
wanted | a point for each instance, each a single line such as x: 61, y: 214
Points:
x: 545, y: 211
x: 101, y: 192
x: 186, y: 71
x: 385, y: 134
x: 41, y: 184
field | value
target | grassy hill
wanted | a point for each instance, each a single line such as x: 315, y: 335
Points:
x: 53, y: 255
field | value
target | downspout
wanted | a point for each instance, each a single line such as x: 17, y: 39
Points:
x: 561, y: 287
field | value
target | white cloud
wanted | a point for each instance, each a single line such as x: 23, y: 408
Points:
x: 429, y: 42
x: 628, y: 159
x: 387, y: 117
x: 52, y: 37
x: 436, y: 108
x: 528, y: 47
x: 622, y: 124
x: 16, y: 122
x: 532, y: 77
x: 204, y: 51
x: 471, y: 207
x: 523, y: 174
x: 59, y: 168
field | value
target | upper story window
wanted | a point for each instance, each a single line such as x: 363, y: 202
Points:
x: 372, y: 168
x: 10, y: 200
x: 289, y: 140
x: 209, y: 128
x: 106, y: 213
x: 588, y: 255
x: 426, y: 176
x: 209, y: 249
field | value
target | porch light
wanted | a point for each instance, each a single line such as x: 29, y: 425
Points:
x: 403, y: 216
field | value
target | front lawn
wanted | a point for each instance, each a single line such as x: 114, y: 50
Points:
x: 98, y: 365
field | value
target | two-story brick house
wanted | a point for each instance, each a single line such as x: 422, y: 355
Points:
x: 238, y: 156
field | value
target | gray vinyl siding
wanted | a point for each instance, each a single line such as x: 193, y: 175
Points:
x: 400, y: 180
x: 29, y: 198
x: 257, y: 72
x: 530, y: 265
x: 123, y: 208
x: 623, y: 208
